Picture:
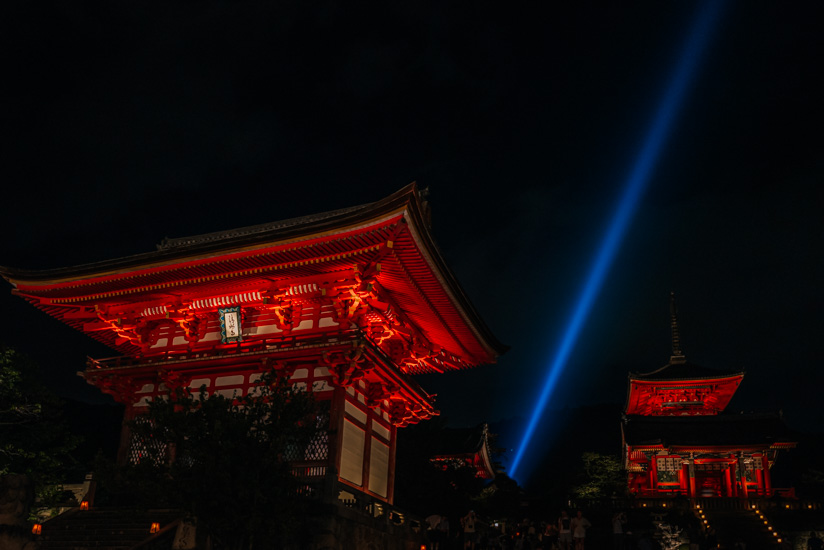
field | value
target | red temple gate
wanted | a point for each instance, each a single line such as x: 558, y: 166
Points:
x: 349, y: 304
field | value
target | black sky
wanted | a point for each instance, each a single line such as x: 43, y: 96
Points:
x: 125, y: 122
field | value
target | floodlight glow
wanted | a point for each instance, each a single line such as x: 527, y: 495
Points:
x: 636, y: 183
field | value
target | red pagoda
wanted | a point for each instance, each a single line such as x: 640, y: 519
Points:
x: 350, y: 304
x: 677, y: 441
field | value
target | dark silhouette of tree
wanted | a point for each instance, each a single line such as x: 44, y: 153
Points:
x: 601, y: 475
x: 224, y: 461
x: 34, y: 441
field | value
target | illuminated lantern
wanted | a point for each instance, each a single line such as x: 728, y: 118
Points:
x: 154, y: 528
x: 36, y: 529
x: 84, y: 505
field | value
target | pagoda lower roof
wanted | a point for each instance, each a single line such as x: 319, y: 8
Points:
x: 724, y: 430
x: 390, y: 237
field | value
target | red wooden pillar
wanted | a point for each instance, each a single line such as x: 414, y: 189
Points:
x: 390, y: 497
x: 742, y: 473
x: 767, y: 478
x: 728, y: 480
x: 759, y: 478
x: 691, y: 471
x: 653, y: 475
x: 683, y: 479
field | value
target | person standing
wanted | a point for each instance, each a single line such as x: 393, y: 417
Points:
x: 564, y: 530
x: 433, y: 533
x: 619, y: 520
x: 579, y: 525
x: 470, y: 534
x: 443, y: 527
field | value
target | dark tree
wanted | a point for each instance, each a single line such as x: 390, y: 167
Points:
x: 34, y: 441
x: 225, y: 461
x: 601, y: 475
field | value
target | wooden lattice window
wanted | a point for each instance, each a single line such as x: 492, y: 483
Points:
x: 143, y: 448
x: 318, y: 447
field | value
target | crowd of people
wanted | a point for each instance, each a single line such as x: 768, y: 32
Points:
x: 566, y: 532
x: 472, y: 533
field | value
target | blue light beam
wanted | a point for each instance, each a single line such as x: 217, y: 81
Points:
x: 636, y: 183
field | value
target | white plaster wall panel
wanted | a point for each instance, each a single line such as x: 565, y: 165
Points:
x: 378, y: 467
x: 355, y: 412
x: 351, y: 459
x: 306, y: 324
x: 321, y: 386
x: 381, y: 430
x: 267, y: 329
x: 234, y: 380
x: 327, y: 322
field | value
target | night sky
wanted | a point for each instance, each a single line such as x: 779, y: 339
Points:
x: 126, y: 122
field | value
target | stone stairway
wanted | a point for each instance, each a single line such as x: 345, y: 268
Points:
x: 744, y: 525
x: 102, y: 528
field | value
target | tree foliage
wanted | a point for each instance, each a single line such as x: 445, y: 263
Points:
x: 601, y: 475
x: 224, y: 461
x: 34, y: 440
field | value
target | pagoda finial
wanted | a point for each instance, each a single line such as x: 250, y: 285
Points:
x: 677, y: 354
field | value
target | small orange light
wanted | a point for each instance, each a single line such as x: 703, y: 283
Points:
x: 154, y: 528
x: 36, y: 529
x: 423, y: 547
x: 665, y: 505
x: 787, y: 506
x: 84, y: 505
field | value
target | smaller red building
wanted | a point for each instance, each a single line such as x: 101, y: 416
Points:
x: 466, y: 447
x: 677, y: 439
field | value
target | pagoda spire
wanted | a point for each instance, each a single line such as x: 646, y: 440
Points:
x: 677, y: 354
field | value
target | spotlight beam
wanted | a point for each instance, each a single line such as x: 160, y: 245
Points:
x: 636, y: 183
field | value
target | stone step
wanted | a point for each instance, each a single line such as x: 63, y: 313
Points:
x: 102, y: 529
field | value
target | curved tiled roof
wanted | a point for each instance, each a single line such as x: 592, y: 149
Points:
x: 683, y: 370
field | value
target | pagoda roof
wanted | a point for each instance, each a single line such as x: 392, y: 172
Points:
x: 391, y: 237
x: 678, y: 369
x: 762, y: 430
